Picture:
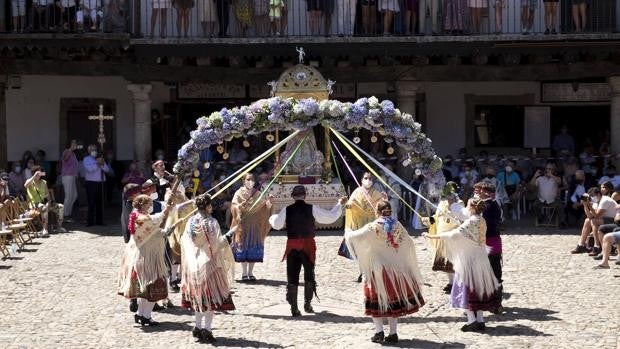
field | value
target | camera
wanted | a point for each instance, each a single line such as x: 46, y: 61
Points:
x: 584, y: 197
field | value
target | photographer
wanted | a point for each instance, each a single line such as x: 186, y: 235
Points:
x: 547, y: 187
x: 95, y: 169
x: 600, y: 209
x: 39, y: 199
x: 612, y: 236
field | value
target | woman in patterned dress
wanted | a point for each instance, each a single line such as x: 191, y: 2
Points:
x: 243, y: 12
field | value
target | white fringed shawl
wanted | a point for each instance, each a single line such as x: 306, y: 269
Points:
x: 207, y: 263
x: 467, y: 250
x: 370, y: 246
x: 145, y: 253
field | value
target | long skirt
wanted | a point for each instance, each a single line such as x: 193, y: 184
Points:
x: 465, y: 298
x: 227, y: 305
x: 442, y: 264
x: 396, y: 305
x: 153, y: 292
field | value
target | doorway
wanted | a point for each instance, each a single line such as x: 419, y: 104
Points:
x: 74, y: 122
x: 586, y: 123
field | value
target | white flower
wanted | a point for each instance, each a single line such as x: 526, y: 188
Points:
x: 373, y: 102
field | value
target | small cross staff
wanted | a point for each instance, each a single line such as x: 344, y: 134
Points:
x: 101, y: 118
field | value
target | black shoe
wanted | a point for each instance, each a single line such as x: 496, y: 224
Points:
x: 359, y: 278
x: 133, y: 305
x: 393, y: 338
x: 377, y: 338
x: 207, y: 336
x: 157, y: 307
x: 470, y: 327
x: 196, y: 332
x: 480, y: 326
x: 547, y: 31
x: 448, y: 289
x: 308, y: 307
x: 137, y: 318
x: 174, y: 287
x: 295, y: 312
x: 579, y: 249
x: 148, y: 322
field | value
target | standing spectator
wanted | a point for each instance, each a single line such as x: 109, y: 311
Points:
x: 39, y: 15
x: 369, y: 13
x: 547, y: 187
x: 243, y: 13
x: 41, y: 161
x: 475, y: 9
x: 207, y: 16
x: 18, y: 15
x: 276, y: 8
x: 346, y: 16
x: 433, y: 7
x: 95, y: 169
x: 314, y: 9
x: 411, y: 16
x: 551, y: 14
x: 328, y: 11
x: 17, y: 180
x: 450, y: 166
x: 111, y: 180
x: 388, y: 7
x: 25, y: 157
x: 69, y: 172
x: 183, y: 8
x: 528, y: 10
x: 563, y: 143
x: 499, y: 5
x: 28, y: 170
x: 133, y: 175
x: 468, y: 177
x: 160, y: 7
x: 88, y: 10
x: 611, y: 176
x: 39, y: 199
x: 579, y: 8
x: 588, y: 162
x: 261, y: 17
x: 223, y: 9
x: 68, y: 16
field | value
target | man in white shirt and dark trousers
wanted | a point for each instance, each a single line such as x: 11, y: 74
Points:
x: 547, y: 186
x: 95, y: 169
x: 300, y: 219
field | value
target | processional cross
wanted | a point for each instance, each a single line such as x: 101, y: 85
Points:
x: 101, y: 118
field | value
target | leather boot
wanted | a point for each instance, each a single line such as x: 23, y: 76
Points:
x: 291, y: 297
x: 309, y: 290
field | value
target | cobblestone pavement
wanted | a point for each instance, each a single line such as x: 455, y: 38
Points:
x: 60, y: 293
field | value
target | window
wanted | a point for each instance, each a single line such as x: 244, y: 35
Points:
x: 498, y: 126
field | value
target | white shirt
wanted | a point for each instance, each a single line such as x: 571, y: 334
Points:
x: 609, y: 205
x: 547, y: 189
x: 321, y: 216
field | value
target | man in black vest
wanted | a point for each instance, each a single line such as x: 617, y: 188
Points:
x: 299, y: 219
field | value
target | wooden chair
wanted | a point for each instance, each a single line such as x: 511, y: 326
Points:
x: 5, y: 234
x: 552, y: 218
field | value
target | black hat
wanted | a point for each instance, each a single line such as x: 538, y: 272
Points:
x: 298, y: 190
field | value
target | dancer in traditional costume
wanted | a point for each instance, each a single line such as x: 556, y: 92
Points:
x: 387, y: 257
x: 493, y: 217
x: 450, y: 214
x: 299, y: 219
x: 252, y: 226
x: 207, y: 269
x: 475, y: 287
x: 360, y: 210
x: 182, y: 207
x: 143, y: 269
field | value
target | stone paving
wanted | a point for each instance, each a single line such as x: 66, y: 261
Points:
x: 60, y: 293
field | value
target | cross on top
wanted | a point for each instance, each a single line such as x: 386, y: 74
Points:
x: 101, y: 118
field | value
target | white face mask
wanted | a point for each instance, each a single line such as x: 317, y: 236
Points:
x: 367, y: 183
x: 249, y: 184
x: 508, y: 169
x: 160, y: 157
x: 595, y: 199
x: 93, y: 154
x: 154, y: 196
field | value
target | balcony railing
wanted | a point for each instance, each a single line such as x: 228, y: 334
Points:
x: 269, y: 18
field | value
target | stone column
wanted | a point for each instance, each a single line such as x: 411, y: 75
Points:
x: 614, y: 119
x: 406, y: 91
x: 3, y: 128
x: 142, y: 123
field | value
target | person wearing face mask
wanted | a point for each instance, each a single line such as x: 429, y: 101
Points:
x: 39, y: 199
x: 4, y: 187
x: 163, y: 180
x: 600, y: 209
x: 143, y: 269
x: 547, y: 184
x: 17, y: 180
x: 468, y: 177
x: 360, y: 210
x: 95, y: 170
x: 450, y: 170
x: 69, y: 172
x: 590, y: 202
x: 252, y: 226
x: 133, y: 175
x: 509, y: 181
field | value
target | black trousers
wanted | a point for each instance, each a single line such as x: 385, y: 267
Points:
x: 94, y: 193
x: 223, y: 11
x: 294, y: 261
x: 496, y: 265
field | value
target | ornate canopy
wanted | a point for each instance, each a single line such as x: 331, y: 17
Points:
x: 302, y: 81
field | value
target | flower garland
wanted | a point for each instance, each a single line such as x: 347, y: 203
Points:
x: 278, y: 113
x: 131, y: 226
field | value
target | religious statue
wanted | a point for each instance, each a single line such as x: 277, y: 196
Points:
x: 302, y: 54
x: 308, y: 160
x: 274, y: 86
x: 330, y: 85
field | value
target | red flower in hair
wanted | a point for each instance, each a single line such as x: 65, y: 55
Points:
x: 132, y: 222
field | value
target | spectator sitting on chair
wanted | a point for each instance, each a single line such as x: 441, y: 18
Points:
x: 4, y: 187
x: 547, y: 187
x: 599, y: 208
x: 610, y: 207
x: 510, y: 181
x: 17, y: 180
x: 576, y: 189
x: 612, y: 236
x: 39, y: 199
